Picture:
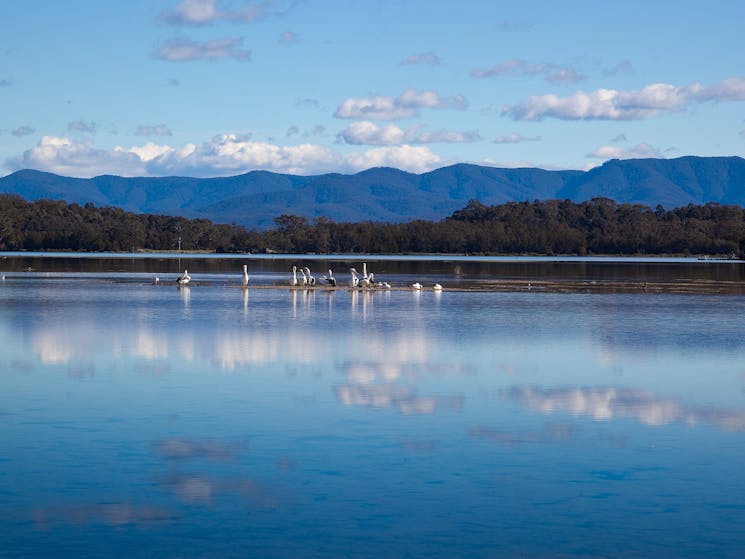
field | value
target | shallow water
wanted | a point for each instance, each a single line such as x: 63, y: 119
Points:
x: 213, y: 421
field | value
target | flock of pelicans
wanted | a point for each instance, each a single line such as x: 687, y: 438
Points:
x: 307, y: 279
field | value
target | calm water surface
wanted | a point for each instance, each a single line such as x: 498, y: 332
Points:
x: 211, y: 421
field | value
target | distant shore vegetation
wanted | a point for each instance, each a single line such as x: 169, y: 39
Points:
x: 554, y: 227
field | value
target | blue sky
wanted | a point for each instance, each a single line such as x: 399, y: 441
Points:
x: 222, y: 87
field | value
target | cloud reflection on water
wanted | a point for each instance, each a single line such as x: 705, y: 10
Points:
x: 110, y: 514
x: 605, y: 403
x: 185, y: 449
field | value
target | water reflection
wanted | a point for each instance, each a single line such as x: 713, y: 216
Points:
x: 350, y: 414
x: 110, y: 514
x: 550, y: 433
x: 606, y: 403
x: 185, y: 449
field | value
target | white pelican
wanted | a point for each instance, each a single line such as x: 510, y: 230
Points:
x: 311, y: 279
x: 331, y: 280
x: 293, y: 279
x: 416, y: 285
x: 304, y: 281
x: 184, y: 279
x: 437, y: 287
x: 366, y: 280
x: 244, y: 280
x: 355, y: 280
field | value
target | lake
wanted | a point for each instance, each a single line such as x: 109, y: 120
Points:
x: 143, y: 419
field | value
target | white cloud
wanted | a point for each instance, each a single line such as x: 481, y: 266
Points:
x: 409, y: 158
x: 406, y: 105
x: 62, y: 156
x: 429, y: 57
x: 223, y: 155
x: 369, y: 133
x: 184, y: 50
x: 619, y: 138
x: 640, y: 151
x: 514, y: 138
x: 611, y: 104
x: 742, y: 133
x: 205, y: 12
x: 153, y: 130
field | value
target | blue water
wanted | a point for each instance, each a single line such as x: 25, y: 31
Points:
x: 143, y: 420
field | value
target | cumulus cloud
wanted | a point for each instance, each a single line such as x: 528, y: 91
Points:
x: 184, y: 50
x: 82, y: 126
x: 406, y: 105
x: 223, y: 155
x: 416, y: 159
x: 23, y: 131
x: 429, y: 57
x: 517, y: 67
x: 640, y: 151
x: 369, y: 133
x: 514, y: 138
x: 153, y: 130
x: 205, y: 12
x: 62, y: 156
x: 610, y: 104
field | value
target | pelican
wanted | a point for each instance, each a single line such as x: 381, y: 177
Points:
x: 331, y: 280
x: 311, y: 279
x: 304, y: 281
x: 416, y: 285
x: 244, y: 280
x: 293, y: 279
x: 437, y: 287
x: 183, y: 279
x: 355, y: 281
x: 366, y: 280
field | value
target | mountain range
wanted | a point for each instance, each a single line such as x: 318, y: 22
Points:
x: 254, y: 199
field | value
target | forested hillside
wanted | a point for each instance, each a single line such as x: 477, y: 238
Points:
x: 598, y: 226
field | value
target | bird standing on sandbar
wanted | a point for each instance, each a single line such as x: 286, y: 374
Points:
x: 330, y: 279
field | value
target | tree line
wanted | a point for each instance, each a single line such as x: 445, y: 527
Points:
x: 552, y: 227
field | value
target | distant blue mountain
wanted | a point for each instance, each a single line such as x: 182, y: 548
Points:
x: 384, y: 194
